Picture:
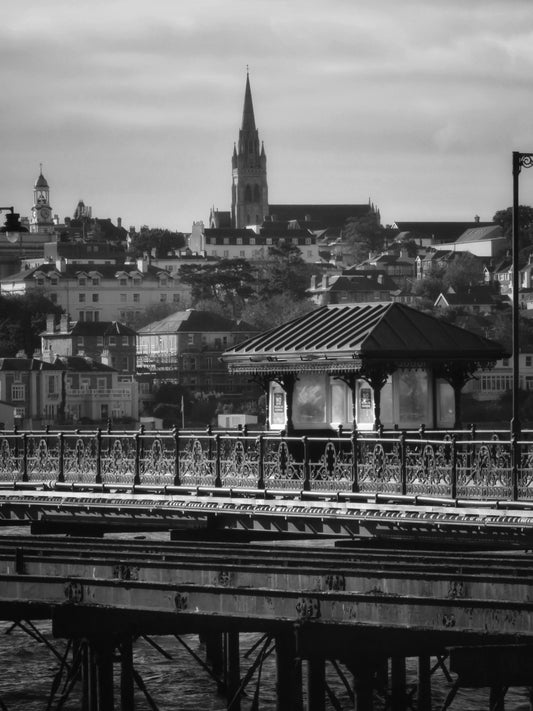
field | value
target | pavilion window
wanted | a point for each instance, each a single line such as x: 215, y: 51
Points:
x: 413, y: 393
x: 309, y: 401
x: 277, y: 406
x: 445, y: 404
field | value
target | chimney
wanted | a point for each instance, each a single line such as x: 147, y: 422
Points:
x: 50, y: 323
x: 143, y: 263
x: 119, y: 222
x: 476, y: 218
x: 63, y: 323
x: 61, y: 265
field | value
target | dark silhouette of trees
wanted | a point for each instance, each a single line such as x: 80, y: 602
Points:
x: 22, y: 320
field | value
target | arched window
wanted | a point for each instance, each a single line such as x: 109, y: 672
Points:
x: 257, y: 196
x: 247, y: 194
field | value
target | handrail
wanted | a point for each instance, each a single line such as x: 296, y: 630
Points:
x: 471, y: 465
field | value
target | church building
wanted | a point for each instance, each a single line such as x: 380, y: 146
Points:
x: 250, y: 207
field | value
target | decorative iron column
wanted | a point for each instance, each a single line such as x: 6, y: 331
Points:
x: 520, y: 160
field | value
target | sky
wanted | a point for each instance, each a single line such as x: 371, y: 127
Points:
x: 134, y: 106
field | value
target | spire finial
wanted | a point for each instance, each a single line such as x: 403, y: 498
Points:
x: 41, y: 168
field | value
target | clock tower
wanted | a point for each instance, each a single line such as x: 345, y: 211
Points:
x: 41, y: 212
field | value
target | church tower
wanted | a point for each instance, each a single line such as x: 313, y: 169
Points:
x: 41, y: 212
x: 249, y: 192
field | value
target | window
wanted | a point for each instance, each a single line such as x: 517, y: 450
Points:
x: 190, y: 339
x: 112, y: 341
x: 226, y: 240
x: 136, y: 281
x: 40, y: 281
x: 82, y: 281
x: 96, y: 281
x: 18, y: 392
x: 123, y: 298
x: 51, y: 384
x: 226, y: 253
x: 136, y: 298
x: 81, y: 298
x: 239, y: 240
x: 175, y: 298
x: 163, y: 283
x: 252, y: 240
x: 529, y: 360
x: 101, y: 384
x: 81, y: 315
x: 242, y: 253
x: 79, y: 341
x: 95, y: 298
x: 53, y: 281
x: 123, y: 281
x: 100, y: 341
x: 125, y: 340
x: 162, y: 297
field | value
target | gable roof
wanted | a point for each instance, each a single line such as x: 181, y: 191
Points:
x: 479, y: 234
x: 195, y: 320
x: 440, y: 231
x: 319, y: 215
x: 338, y: 337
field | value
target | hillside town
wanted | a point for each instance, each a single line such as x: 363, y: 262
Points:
x: 102, y: 324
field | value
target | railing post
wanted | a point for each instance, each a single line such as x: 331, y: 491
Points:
x: 61, y: 457
x: 261, y: 463
x: 515, y: 456
x: 176, y: 434
x: 25, y: 457
x: 307, y: 470
x: 98, y: 475
x: 355, y: 461
x: 403, y: 462
x: 453, y: 491
x: 218, y: 480
x: 137, y: 469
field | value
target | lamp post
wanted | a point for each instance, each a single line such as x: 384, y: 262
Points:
x: 520, y: 160
x: 12, y: 223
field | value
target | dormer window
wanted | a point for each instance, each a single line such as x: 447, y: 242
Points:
x: 82, y: 281
x: 40, y: 281
x: 96, y: 281
x: 123, y: 281
x: 53, y: 281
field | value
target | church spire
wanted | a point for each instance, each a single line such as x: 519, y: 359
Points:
x: 248, y: 118
x: 249, y: 204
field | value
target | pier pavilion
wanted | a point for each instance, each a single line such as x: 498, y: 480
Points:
x: 363, y: 366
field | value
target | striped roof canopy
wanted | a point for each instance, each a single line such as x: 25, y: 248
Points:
x: 343, y: 337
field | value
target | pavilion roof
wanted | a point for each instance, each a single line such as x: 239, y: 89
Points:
x: 343, y: 336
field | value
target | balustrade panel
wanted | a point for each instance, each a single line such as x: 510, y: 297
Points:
x: 283, y: 463
x: 42, y: 457
x: 484, y: 469
x: 428, y: 467
x: 197, y: 460
x: 11, y: 457
x: 239, y: 462
x: 330, y: 464
x: 379, y: 465
x: 118, y: 458
x: 80, y: 454
x: 157, y: 459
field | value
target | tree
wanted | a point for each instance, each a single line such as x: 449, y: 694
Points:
x: 363, y: 235
x: 504, y: 218
x: 285, y: 272
x: 265, y: 313
x: 160, y: 240
x: 465, y: 270
x: 229, y: 282
x: 22, y: 320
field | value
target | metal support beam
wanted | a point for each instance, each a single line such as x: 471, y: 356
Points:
x: 233, y: 670
x: 424, y: 683
x: 289, y: 673
x: 398, y: 693
x: 126, y: 675
x: 316, y: 683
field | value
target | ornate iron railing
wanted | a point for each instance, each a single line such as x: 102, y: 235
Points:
x: 466, y: 465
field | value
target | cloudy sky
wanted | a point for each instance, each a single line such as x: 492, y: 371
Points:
x: 134, y: 106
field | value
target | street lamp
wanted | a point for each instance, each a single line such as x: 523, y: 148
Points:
x: 520, y: 160
x: 12, y: 224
